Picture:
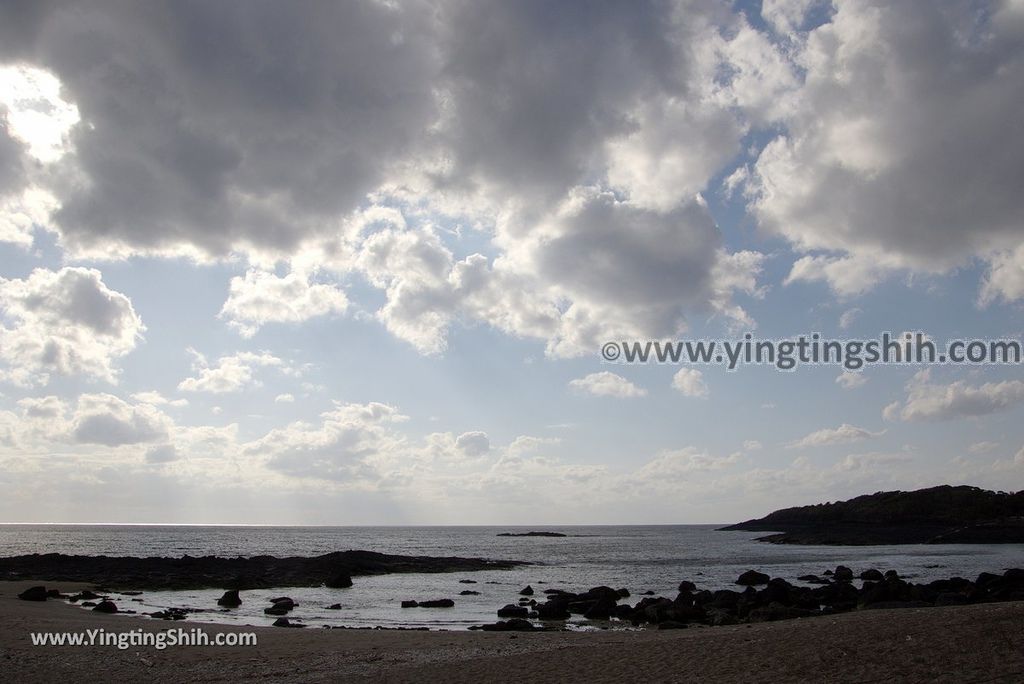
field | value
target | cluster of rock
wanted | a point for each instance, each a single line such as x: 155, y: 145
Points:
x: 434, y: 603
x: 763, y: 599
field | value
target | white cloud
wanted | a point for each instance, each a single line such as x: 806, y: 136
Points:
x: 473, y: 444
x: 107, y: 420
x: 929, y: 401
x: 690, y: 383
x: 230, y: 373
x: 65, y: 322
x: 983, y: 447
x: 260, y: 297
x: 607, y: 384
x: 851, y: 380
x: 157, y: 399
x: 848, y: 317
x: 284, y: 399
x: 844, y: 434
x: 894, y: 157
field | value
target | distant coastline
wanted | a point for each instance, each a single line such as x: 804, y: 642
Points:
x: 936, y: 515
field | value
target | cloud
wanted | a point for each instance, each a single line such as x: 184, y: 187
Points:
x: 844, y: 434
x: 607, y: 384
x: 929, y: 401
x: 162, y: 453
x: 260, y: 297
x: 598, y: 146
x: 894, y: 156
x: 851, y: 380
x: 473, y: 444
x: 848, y: 317
x: 157, y: 399
x: 341, y: 448
x: 690, y: 383
x: 65, y: 322
x: 983, y: 447
x: 292, y: 116
x: 230, y: 374
x: 107, y: 420
x: 284, y: 399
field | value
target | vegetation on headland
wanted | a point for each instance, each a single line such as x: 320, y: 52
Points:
x: 936, y: 515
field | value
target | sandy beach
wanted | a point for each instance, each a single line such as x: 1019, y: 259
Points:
x: 979, y: 643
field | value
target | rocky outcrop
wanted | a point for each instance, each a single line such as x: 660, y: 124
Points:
x: 230, y: 599
x: 34, y: 594
x: 257, y: 572
x: 937, y: 515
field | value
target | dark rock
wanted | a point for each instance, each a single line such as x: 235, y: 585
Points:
x: 468, y: 592
x: 33, y: 594
x: 601, y: 609
x: 437, y: 603
x: 230, y: 599
x: 278, y: 609
x: 105, y: 606
x: 256, y: 572
x: 341, y: 580
x: 55, y: 594
x: 556, y: 608
x: 532, y: 534
x: 623, y: 592
x: 513, y: 625
x: 467, y: 581
x: 843, y: 574
x: 892, y: 575
x: 752, y: 578
x: 284, y: 622
x: 526, y: 591
x: 334, y: 606
x: 648, y: 593
x: 872, y: 575
x: 671, y: 624
x: 686, y: 585
x: 511, y: 611
x: 812, y: 579
x: 951, y: 599
x: 410, y: 604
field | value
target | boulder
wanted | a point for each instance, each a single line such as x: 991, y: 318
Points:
x: 341, y: 580
x: 843, y: 574
x: 437, y: 603
x: 105, y: 606
x: 872, y: 575
x: 526, y: 591
x: 283, y: 622
x: 513, y: 625
x: 623, y: 592
x: 511, y: 611
x: 752, y: 578
x: 553, y: 609
x: 334, y: 606
x: 467, y: 581
x: 278, y: 609
x: 469, y: 592
x: 230, y: 599
x: 686, y: 585
x: 33, y: 594
x: 410, y: 604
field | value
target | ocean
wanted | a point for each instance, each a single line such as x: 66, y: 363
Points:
x: 640, y: 558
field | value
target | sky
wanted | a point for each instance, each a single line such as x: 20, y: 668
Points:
x: 353, y: 263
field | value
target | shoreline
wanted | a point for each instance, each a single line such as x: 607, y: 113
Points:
x: 953, y: 643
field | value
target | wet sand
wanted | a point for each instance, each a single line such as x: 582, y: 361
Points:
x: 977, y: 643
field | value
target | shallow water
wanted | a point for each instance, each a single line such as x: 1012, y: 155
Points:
x: 639, y: 558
